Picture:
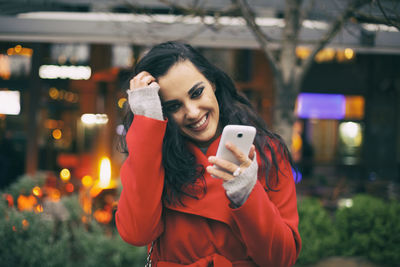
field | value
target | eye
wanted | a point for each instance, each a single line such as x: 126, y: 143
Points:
x: 197, y: 92
x: 171, y: 108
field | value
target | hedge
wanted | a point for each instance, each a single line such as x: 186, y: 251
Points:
x: 33, y: 239
x: 369, y: 229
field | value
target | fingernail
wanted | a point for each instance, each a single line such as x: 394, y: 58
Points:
x: 211, y: 158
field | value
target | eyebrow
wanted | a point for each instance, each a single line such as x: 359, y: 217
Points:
x: 194, y: 87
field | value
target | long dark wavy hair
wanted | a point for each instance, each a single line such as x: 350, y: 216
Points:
x: 181, y: 169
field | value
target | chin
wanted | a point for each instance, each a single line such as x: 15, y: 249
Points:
x: 203, y: 139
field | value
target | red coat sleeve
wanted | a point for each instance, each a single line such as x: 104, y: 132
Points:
x: 138, y: 217
x: 271, y: 218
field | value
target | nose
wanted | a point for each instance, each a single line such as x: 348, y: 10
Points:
x: 192, y: 111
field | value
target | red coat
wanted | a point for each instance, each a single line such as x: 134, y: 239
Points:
x: 262, y: 232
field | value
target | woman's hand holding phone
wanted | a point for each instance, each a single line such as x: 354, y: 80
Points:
x: 235, y: 152
x: 226, y: 169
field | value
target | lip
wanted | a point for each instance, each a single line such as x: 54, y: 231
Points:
x: 202, y: 127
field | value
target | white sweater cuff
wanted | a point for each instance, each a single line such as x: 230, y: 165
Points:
x: 145, y: 101
x: 239, y: 188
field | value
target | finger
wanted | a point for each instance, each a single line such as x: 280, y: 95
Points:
x: 217, y: 173
x: 142, y: 74
x: 252, y: 152
x: 154, y: 84
x: 243, y: 159
x: 148, y: 79
x: 139, y: 76
x: 141, y: 80
x: 224, y: 164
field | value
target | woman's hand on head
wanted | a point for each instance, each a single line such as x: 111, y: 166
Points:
x: 143, y: 79
x: 227, y: 169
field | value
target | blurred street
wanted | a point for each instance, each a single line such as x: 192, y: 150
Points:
x: 324, y: 75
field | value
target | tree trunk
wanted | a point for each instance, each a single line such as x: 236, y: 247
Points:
x: 284, y: 117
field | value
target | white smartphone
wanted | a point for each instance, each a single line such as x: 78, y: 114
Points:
x: 241, y: 136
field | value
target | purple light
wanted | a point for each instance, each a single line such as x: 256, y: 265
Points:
x: 320, y: 106
x: 297, y: 176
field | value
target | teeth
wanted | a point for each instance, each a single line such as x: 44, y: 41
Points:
x: 200, y: 123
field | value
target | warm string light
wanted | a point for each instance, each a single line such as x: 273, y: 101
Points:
x: 92, y: 119
x: 87, y: 181
x: 326, y: 54
x: 26, y: 202
x: 20, y: 51
x: 38, y: 208
x: 65, y: 72
x: 37, y: 191
x: 105, y: 172
x: 69, y: 187
x: 10, y: 102
x: 65, y: 175
x: 25, y: 224
x: 5, y: 69
x: 60, y: 94
x: 102, y: 215
x: 57, y: 134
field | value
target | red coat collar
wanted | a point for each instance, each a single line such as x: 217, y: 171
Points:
x: 214, y: 204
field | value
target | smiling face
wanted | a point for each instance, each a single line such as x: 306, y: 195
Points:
x: 189, y: 98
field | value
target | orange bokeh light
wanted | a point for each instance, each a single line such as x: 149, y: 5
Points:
x: 25, y: 224
x: 26, y: 202
x: 87, y: 181
x: 86, y: 204
x: 37, y: 191
x: 10, y: 200
x: 54, y: 194
x: 57, y: 134
x: 38, y: 208
x: 69, y: 188
x: 103, y: 216
x: 65, y: 175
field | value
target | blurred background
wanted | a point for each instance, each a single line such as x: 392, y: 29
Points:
x: 323, y: 74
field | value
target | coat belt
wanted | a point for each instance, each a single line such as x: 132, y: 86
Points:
x: 215, y: 260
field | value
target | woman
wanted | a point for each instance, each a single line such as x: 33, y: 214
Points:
x: 173, y: 197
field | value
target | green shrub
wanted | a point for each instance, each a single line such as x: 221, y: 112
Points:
x: 318, y: 234
x: 25, y: 184
x: 104, y: 250
x: 27, y: 240
x: 371, y: 229
x: 98, y: 245
x: 30, y: 239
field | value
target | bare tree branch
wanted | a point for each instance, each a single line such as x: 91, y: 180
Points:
x: 201, y: 12
x: 336, y: 26
x: 305, y: 12
x: 290, y: 40
x: 390, y: 20
x: 377, y: 20
x: 391, y: 15
x: 185, y: 10
x: 196, y: 10
x: 262, y: 38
